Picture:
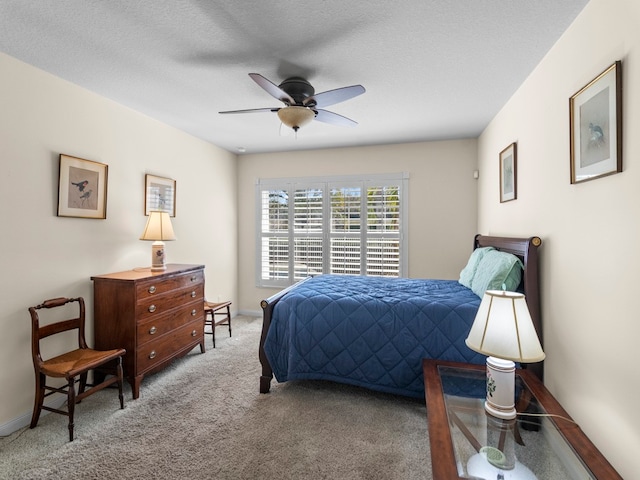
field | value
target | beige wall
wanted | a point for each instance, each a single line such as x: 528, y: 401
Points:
x: 45, y: 256
x: 590, y: 231
x: 442, y: 199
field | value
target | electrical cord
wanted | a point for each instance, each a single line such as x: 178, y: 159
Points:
x: 525, y: 414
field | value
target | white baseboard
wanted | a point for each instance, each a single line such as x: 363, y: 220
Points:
x: 251, y: 313
x: 25, y: 419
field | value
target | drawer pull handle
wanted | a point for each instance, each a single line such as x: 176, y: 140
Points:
x: 152, y: 354
x: 193, y: 312
x: 152, y: 308
x: 152, y: 289
x: 153, y: 330
x: 193, y: 294
x: 194, y: 333
x: 194, y: 278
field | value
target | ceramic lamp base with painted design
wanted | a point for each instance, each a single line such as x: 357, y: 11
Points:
x: 500, y: 388
x: 158, y: 257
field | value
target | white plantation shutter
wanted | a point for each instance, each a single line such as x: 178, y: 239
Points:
x: 274, y: 241
x: 346, y: 230
x: 307, y: 257
x: 308, y: 224
x: 338, y: 225
x: 383, y: 231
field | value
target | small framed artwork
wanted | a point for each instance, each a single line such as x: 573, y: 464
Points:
x: 82, y: 188
x: 508, y: 171
x: 596, y: 127
x: 160, y: 195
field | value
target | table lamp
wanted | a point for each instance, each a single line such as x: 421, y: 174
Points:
x: 504, y: 331
x: 158, y: 229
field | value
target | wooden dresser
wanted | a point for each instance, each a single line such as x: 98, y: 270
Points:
x: 156, y: 317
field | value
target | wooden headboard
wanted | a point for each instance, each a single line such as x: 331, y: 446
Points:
x: 527, y: 250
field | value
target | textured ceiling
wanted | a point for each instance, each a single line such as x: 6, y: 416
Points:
x: 433, y: 69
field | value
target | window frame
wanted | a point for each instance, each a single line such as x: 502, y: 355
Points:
x: 327, y: 183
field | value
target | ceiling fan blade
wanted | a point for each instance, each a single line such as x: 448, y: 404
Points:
x: 272, y: 89
x: 326, y: 116
x: 253, y: 110
x: 331, y: 97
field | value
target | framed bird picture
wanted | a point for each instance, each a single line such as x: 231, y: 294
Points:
x: 596, y: 127
x: 82, y: 188
x: 508, y: 171
x: 160, y: 195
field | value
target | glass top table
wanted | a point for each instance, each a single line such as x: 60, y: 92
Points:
x: 542, y: 442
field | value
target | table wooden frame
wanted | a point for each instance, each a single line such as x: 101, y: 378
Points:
x: 442, y: 455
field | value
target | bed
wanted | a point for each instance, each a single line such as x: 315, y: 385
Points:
x: 374, y: 332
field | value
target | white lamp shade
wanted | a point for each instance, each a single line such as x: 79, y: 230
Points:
x: 503, y: 328
x: 158, y: 227
x: 296, y: 117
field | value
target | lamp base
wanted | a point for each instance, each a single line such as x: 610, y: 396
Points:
x: 500, y: 388
x: 157, y: 257
x: 480, y: 467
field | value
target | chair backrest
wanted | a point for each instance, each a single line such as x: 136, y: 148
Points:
x: 39, y: 332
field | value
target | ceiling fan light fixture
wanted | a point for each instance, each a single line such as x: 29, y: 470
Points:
x: 295, y: 117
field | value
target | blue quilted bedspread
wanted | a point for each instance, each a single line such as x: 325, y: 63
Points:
x: 370, y: 331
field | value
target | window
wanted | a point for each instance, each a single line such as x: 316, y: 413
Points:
x: 339, y: 225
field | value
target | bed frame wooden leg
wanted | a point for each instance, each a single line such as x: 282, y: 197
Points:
x: 265, y: 383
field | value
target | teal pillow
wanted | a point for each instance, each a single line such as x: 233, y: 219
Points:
x: 495, y: 270
x: 468, y: 272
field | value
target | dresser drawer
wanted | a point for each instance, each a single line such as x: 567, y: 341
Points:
x: 158, y: 286
x: 157, y: 305
x: 157, y: 326
x: 155, y: 352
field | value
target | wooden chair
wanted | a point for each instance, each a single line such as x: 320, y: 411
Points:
x: 72, y: 366
x: 210, y: 311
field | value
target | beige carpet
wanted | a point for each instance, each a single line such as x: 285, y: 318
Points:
x: 203, y: 418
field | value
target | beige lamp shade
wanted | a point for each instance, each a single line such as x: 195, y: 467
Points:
x: 296, y: 117
x: 158, y: 227
x: 503, y: 328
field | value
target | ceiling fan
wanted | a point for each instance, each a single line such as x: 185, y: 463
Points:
x: 302, y: 104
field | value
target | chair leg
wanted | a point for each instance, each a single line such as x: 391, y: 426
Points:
x: 39, y: 400
x: 208, y: 313
x: 83, y: 383
x: 120, y: 375
x: 71, y: 405
x: 229, y: 319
